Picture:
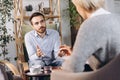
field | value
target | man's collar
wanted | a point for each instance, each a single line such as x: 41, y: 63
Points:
x: 36, y: 34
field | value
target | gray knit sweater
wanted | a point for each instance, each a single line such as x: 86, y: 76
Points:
x: 99, y: 35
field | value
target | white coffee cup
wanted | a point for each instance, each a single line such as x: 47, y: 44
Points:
x: 35, y: 69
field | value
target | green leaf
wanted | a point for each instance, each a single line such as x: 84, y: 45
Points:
x: 5, y: 15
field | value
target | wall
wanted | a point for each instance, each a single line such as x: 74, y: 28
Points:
x: 66, y: 34
x: 113, y: 6
x: 109, y: 5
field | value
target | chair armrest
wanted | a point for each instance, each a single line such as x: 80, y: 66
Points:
x: 64, y: 75
x: 11, y: 67
x: 61, y: 75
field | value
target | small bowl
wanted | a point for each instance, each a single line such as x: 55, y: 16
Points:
x: 47, y: 68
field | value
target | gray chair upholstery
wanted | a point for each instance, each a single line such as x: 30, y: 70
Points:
x: 7, y: 75
x: 110, y: 71
x: 3, y: 74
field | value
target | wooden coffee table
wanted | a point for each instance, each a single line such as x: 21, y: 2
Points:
x: 38, y: 76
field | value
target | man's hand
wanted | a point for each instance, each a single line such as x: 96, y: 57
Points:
x: 39, y: 53
x: 65, y: 50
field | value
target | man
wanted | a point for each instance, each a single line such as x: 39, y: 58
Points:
x: 98, y: 35
x: 42, y: 44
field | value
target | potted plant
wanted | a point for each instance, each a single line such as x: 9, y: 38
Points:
x: 5, y: 15
x: 75, y: 21
x: 29, y: 7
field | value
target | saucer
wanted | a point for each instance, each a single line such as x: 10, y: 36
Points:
x: 30, y: 73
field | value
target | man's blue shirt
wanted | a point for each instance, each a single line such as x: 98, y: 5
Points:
x: 50, y: 42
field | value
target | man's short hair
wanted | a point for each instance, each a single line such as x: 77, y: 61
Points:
x: 36, y: 14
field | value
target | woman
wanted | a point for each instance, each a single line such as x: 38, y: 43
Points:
x: 98, y: 35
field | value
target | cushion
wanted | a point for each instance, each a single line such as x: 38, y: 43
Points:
x: 51, y: 26
x: 26, y: 28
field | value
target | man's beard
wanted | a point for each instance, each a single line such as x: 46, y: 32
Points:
x: 42, y: 30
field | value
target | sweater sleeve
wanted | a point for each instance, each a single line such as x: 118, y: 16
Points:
x: 87, y: 42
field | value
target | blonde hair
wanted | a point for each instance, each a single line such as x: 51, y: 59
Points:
x: 90, y: 5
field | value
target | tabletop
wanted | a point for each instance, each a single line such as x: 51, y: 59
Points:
x: 42, y: 73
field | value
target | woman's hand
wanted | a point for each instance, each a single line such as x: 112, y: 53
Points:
x: 65, y: 50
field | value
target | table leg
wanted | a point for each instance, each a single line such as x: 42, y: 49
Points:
x: 40, y: 78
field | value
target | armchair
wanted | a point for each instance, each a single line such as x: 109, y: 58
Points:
x: 7, y: 75
x: 110, y: 71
